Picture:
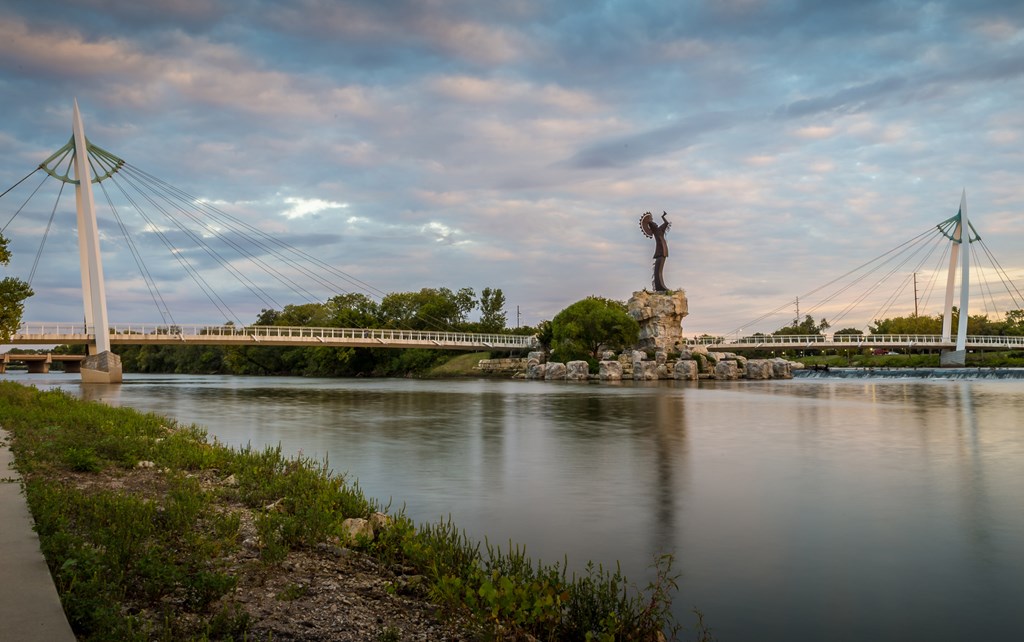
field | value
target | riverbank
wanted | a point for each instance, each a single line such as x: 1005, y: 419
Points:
x: 153, y: 531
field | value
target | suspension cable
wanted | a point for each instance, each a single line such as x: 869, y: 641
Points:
x: 147, y: 277
x: 255, y: 290
x: 39, y: 252
x: 15, y: 215
x: 182, y: 260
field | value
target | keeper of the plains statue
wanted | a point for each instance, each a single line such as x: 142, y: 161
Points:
x: 657, y: 232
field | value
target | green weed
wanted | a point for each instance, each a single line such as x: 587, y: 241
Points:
x: 116, y: 555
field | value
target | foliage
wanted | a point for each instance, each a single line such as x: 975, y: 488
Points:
x: 806, y: 327
x: 151, y: 564
x: 865, y: 359
x: 913, y: 324
x: 849, y: 331
x: 492, y: 310
x: 13, y: 293
x: 977, y: 324
x: 428, y: 309
x: 586, y: 327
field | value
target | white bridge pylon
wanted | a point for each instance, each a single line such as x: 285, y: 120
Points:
x: 102, y: 365
x: 960, y: 251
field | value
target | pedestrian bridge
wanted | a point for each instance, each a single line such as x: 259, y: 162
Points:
x: 198, y: 334
x: 855, y: 341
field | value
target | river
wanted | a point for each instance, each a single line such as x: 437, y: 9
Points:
x: 810, y: 509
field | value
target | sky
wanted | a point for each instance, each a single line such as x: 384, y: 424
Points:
x: 515, y: 144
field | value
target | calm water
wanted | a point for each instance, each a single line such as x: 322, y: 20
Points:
x: 798, y: 510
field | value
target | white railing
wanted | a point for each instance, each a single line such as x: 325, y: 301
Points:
x: 849, y: 340
x: 148, y: 332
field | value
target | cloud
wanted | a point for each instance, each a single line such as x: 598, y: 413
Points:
x: 302, y: 207
x: 426, y: 144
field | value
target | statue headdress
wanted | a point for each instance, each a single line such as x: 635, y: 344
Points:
x: 649, y: 227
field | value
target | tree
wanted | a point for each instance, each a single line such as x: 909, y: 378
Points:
x: 913, y: 324
x: 806, y: 327
x: 848, y: 331
x: 1015, y: 322
x: 492, y: 310
x: 13, y: 293
x: 428, y: 309
x: 352, y: 310
x: 590, y: 325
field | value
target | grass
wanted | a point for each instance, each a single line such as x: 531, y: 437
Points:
x: 463, y: 365
x: 152, y: 558
x: 993, y: 359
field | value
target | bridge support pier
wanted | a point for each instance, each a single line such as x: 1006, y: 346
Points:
x: 953, y: 359
x: 39, y: 367
x: 104, y: 367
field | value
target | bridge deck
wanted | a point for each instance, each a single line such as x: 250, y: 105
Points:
x: 855, y: 341
x: 152, y: 334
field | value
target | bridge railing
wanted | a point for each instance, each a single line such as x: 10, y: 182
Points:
x: 256, y: 332
x: 855, y: 340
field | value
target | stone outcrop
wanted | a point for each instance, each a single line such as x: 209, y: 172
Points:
x: 726, y: 370
x: 554, y: 370
x: 685, y: 370
x: 759, y: 369
x: 577, y: 371
x: 502, y: 366
x: 645, y: 371
x: 660, y: 315
x: 610, y: 371
x: 692, y: 364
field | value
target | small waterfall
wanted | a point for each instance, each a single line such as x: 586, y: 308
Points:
x: 910, y: 373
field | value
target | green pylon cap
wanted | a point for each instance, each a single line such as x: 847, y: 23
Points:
x: 948, y: 227
x: 99, y: 159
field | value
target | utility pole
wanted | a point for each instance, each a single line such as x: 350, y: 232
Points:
x: 796, y: 321
x: 915, y: 294
x: 518, y: 316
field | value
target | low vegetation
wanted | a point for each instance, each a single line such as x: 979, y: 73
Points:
x: 142, y: 522
x: 893, y: 359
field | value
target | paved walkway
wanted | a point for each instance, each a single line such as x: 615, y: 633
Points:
x: 29, y: 607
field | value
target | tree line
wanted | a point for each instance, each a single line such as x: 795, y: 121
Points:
x: 427, y: 309
x: 1011, y: 325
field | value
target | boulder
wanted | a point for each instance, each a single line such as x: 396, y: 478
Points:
x: 355, y: 528
x: 726, y: 370
x: 759, y: 369
x: 685, y: 369
x: 577, y: 371
x: 645, y: 371
x: 698, y: 349
x: 554, y: 370
x: 782, y: 369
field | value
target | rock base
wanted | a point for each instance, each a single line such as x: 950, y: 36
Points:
x: 953, y: 359
x: 660, y: 315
